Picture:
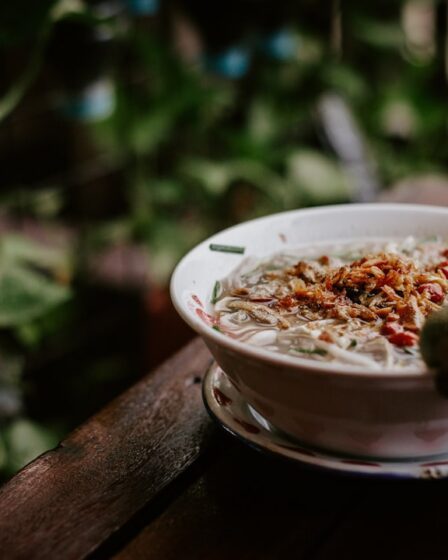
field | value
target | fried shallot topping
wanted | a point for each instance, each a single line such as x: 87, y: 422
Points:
x: 378, y: 287
x: 392, y: 292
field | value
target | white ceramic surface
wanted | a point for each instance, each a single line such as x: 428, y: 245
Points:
x: 388, y: 413
x: 227, y: 405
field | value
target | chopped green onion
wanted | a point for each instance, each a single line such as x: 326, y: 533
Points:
x: 318, y: 351
x: 273, y: 268
x: 353, y: 343
x: 227, y: 248
x: 216, y: 291
x: 216, y: 328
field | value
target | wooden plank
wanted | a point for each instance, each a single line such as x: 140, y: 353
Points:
x: 246, y: 505
x: 401, y: 519
x: 70, y: 500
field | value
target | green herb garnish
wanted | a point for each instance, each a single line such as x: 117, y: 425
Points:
x: 318, y: 351
x: 216, y: 292
x: 430, y: 239
x: 216, y: 328
x: 227, y: 248
x: 353, y: 343
x: 274, y: 268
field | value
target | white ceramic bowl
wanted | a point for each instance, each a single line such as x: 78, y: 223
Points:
x: 387, y: 413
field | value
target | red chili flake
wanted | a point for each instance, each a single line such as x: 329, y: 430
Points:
x: 324, y: 260
x: 433, y: 290
x: 405, y: 338
x: 443, y: 267
x: 197, y: 300
x: 445, y: 253
x: 287, y: 302
x: 392, y: 317
x: 391, y: 328
x: 208, y: 319
x: 325, y: 337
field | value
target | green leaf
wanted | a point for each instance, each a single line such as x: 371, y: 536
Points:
x: 13, y: 96
x: 319, y: 179
x: 25, y: 295
x: 345, y: 80
x: 217, y: 177
x: 379, y: 34
x: 213, y: 177
x: 168, y: 241
x: 24, y: 441
x: 16, y: 248
x: 151, y: 130
x: 264, y: 125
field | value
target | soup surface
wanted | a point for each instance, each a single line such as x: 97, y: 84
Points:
x: 361, y: 304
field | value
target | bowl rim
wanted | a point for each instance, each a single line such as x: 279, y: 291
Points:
x: 298, y: 363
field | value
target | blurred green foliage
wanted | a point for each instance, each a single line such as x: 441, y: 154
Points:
x: 200, y: 152
x: 34, y: 284
x: 22, y: 441
x: 27, y: 290
x: 203, y: 152
x: 15, y: 28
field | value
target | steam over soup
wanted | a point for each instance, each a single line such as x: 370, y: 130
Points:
x: 361, y: 304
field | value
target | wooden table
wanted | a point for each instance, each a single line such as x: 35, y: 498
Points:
x: 153, y: 477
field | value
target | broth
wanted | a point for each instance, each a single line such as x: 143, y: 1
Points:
x: 359, y: 303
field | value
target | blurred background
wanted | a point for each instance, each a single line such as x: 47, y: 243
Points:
x: 130, y: 130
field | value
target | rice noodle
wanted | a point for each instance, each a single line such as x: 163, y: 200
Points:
x: 360, y: 304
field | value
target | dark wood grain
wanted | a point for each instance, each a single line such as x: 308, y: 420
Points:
x: 247, y: 505
x: 392, y: 520
x: 70, y: 500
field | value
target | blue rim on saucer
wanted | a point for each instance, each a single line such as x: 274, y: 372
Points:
x: 227, y: 406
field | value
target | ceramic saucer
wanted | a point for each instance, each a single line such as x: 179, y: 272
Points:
x: 226, y: 404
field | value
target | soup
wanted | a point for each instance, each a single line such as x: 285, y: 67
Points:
x: 362, y: 304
